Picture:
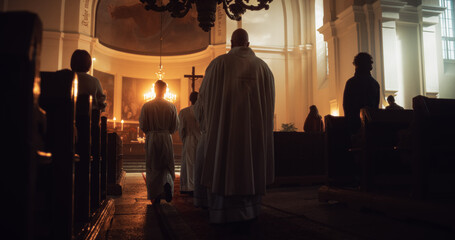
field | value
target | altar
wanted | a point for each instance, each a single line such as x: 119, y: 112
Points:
x: 133, y: 149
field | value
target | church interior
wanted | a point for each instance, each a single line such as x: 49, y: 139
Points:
x: 396, y: 182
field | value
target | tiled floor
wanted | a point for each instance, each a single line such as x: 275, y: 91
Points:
x: 287, y: 213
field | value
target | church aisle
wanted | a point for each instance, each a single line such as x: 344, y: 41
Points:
x: 134, y: 218
x: 287, y: 213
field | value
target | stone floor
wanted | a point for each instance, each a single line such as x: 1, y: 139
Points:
x: 287, y: 213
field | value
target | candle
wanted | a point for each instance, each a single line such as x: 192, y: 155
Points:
x: 137, y: 132
x: 114, y: 122
x: 122, y: 124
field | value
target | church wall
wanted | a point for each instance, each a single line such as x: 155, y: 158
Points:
x: 410, y: 62
x: 402, y: 37
x: 69, y: 25
x: 447, y: 82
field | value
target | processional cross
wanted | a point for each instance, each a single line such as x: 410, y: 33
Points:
x: 193, y: 78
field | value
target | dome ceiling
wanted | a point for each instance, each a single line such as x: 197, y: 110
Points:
x: 126, y: 26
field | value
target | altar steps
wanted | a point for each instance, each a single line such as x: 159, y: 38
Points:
x: 136, y: 164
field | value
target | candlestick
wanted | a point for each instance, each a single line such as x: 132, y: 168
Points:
x: 114, y: 122
x: 122, y: 124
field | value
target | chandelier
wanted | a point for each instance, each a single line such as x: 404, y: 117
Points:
x: 167, y: 96
x: 206, y: 9
x: 160, y: 75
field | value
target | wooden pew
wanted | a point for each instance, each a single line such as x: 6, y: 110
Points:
x: 433, y: 134
x: 419, y: 144
x: 82, y: 184
x: 95, y: 171
x: 103, y: 153
x: 342, y: 169
x: 382, y: 166
x: 115, y: 173
x: 20, y: 56
x: 299, y: 158
x: 57, y: 98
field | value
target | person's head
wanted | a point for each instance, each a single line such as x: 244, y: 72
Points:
x: 390, y: 99
x: 193, y: 97
x: 239, y: 38
x: 363, y: 61
x: 160, y: 88
x: 81, y: 61
x: 313, y: 109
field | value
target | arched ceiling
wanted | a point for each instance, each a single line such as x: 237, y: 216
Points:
x: 126, y: 26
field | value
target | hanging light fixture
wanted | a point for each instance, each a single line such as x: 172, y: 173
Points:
x: 207, y: 8
x: 160, y: 74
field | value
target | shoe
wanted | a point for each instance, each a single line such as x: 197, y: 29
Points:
x: 167, y: 192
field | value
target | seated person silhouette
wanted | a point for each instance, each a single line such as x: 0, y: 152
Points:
x: 362, y: 90
x: 392, y: 104
x: 313, y: 122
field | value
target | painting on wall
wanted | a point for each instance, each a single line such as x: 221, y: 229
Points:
x: 126, y: 26
x: 133, y: 90
x: 107, y: 82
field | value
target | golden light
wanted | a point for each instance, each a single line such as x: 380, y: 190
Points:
x: 167, y: 96
x: 160, y: 73
x: 334, y: 112
x: 75, y: 86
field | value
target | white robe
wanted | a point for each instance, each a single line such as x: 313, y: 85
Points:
x: 200, y: 192
x: 237, y: 101
x: 189, y: 133
x: 158, y: 120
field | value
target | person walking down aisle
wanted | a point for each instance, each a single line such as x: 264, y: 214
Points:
x: 189, y: 133
x: 159, y: 120
x: 236, y: 102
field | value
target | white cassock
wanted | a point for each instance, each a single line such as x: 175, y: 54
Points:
x: 158, y: 120
x: 200, y: 191
x: 189, y: 133
x: 237, y: 101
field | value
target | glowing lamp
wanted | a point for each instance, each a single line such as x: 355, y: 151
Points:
x: 167, y: 96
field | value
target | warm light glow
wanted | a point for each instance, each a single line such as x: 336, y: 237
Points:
x: 114, y: 122
x: 334, y: 110
x: 152, y: 95
x: 122, y: 124
x: 160, y: 73
x: 93, y: 59
x: 44, y: 154
x: 75, y: 86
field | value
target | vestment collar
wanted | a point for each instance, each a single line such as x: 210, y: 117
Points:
x: 242, y: 51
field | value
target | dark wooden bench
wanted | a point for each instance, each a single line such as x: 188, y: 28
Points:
x: 433, y: 135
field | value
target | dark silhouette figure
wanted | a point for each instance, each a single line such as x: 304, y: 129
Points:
x: 193, y: 97
x: 392, y: 104
x: 81, y: 61
x: 190, y: 133
x: 360, y: 91
x: 313, y: 122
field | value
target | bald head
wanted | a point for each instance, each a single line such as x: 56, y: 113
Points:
x: 239, y: 38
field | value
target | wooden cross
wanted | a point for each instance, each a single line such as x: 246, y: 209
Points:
x: 193, y: 78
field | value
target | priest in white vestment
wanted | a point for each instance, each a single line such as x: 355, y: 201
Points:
x: 159, y: 120
x: 236, y: 100
x: 189, y: 133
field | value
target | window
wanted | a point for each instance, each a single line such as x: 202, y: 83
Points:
x: 448, y: 29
